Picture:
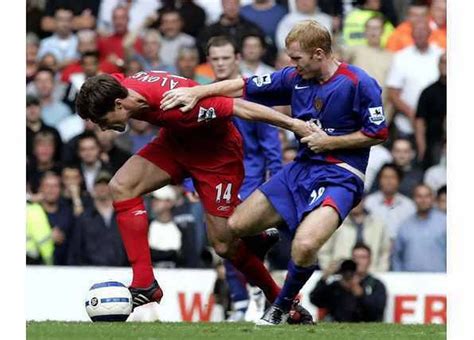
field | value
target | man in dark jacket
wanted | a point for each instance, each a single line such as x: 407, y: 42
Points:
x: 353, y: 295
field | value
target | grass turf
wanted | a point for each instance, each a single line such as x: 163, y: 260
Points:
x: 230, y: 331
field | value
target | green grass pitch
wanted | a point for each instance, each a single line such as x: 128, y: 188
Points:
x: 230, y: 331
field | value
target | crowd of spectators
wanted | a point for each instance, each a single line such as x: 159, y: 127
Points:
x: 70, y: 219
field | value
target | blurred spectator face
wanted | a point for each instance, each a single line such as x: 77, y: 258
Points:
x: 442, y: 65
x: 373, y: 31
x: 106, y: 138
x: 50, y: 187
x: 139, y: 126
x: 289, y: 155
x: 44, y: 84
x: 102, y: 192
x: 120, y: 20
x: 31, y: 53
x: 171, y: 24
x: 421, y: 33
x: 160, y: 206
x: 231, y: 9
x: 362, y: 258
x: 49, y: 61
x: 441, y: 202
x: 423, y: 197
x: 89, y: 151
x: 282, y: 60
x: 71, y: 177
x: 33, y: 113
x: 389, y: 181
x: 224, y: 61
x: 417, y: 14
x: 358, y: 209
x: 151, y: 45
x: 187, y: 62
x: 87, y: 41
x: 252, y: 49
x: 438, y: 12
x: 90, y: 66
x: 402, y: 152
x: 373, y: 5
x: 43, y: 149
x: 306, y: 6
x: 63, y: 19
x: 132, y: 67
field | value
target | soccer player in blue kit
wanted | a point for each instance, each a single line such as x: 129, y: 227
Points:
x: 313, y: 194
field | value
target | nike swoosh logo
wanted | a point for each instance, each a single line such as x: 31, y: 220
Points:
x: 297, y: 87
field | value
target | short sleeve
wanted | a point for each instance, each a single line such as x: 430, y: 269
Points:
x: 395, y: 75
x: 368, y: 104
x: 271, y: 89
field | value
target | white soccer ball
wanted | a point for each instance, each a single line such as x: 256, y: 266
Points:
x: 109, y: 301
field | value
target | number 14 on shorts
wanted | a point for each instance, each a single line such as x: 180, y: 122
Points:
x: 227, y: 196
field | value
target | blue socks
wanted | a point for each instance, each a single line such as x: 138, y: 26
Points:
x: 237, y: 287
x: 295, y: 280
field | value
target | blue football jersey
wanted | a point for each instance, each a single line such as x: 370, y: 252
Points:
x: 349, y: 101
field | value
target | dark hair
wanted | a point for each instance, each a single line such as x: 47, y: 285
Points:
x: 222, y: 40
x: 260, y: 37
x: 87, y: 135
x: 97, y: 96
x: 93, y: 54
x: 441, y: 191
x: 32, y: 100
x: 392, y: 166
x: 47, y: 70
x: 361, y: 245
x: 418, y: 3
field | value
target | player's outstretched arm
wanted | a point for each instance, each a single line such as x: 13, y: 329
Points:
x: 187, y: 97
x: 256, y: 112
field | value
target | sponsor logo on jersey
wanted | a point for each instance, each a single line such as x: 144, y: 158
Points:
x: 139, y: 212
x: 206, y: 115
x: 262, y: 80
x: 223, y: 207
x: 376, y: 115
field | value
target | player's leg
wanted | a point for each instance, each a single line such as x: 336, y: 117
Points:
x: 135, y: 178
x: 312, y: 233
x: 242, y: 258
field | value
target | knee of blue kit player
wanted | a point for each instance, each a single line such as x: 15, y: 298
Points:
x: 303, y: 251
x: 235, y: 226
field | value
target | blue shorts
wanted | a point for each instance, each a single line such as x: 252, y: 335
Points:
x: 249, y: 185
x: 302, y: 186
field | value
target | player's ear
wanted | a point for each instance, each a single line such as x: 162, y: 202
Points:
x: 118, y: 104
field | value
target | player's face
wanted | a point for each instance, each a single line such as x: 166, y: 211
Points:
x: 114, y: 120
x: 224, y: 61
x: 307, y: 65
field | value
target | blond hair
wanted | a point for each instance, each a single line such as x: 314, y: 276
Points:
x: 311, y: 35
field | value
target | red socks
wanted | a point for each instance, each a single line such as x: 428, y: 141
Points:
x: 132, y: 220
x: 255, y: 272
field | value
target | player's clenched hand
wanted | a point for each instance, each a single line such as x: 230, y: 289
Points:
x: 318, y: 141
x: 187, y: 97
x: 301, y: 128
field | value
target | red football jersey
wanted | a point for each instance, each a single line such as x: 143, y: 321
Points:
x: 209, y: 120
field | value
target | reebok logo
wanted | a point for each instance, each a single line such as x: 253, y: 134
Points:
x: 206, y: 115
x: 138, y: 212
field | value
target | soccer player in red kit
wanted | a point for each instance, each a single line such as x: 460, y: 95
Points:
x: 202, y: 144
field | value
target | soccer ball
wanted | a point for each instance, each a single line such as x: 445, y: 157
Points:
x: 109, y: 301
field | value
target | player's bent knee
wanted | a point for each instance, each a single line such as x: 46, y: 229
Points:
x: 222, y: 249
x: 234, y: 225
x: 303, y: 252
x: 119, y: 189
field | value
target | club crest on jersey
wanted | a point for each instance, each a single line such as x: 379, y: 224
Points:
x: 206, y: 115
x: 376, y: 115
x: 262, y: 80
x: 318, y: 104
